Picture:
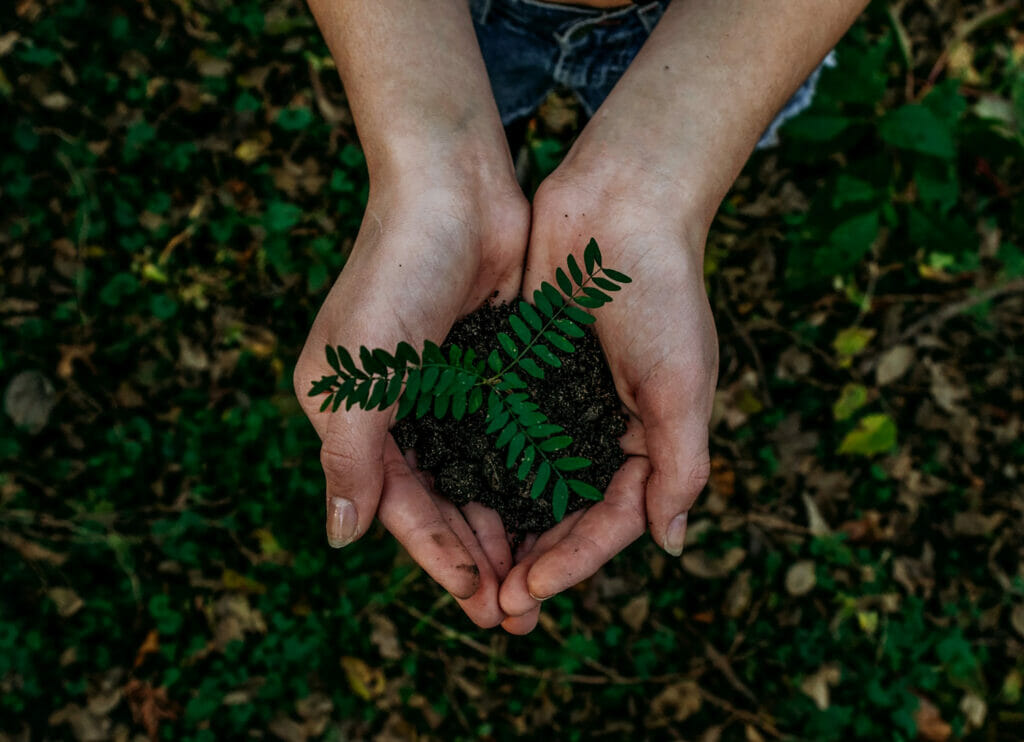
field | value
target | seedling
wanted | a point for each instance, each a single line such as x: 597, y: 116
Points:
x: 462, y: 383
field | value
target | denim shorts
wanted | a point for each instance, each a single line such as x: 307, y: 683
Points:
x: 531, y: 47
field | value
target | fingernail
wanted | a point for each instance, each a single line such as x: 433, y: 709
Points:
x: 675, y: 535
x: 538, y: 599
x: 341, y: 522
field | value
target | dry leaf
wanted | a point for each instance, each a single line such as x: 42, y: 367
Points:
x: 150, y: 706
x: 817, y: 686
x: 700, y: 564
x: 893, y: 363
x: 976, y: 524
x: 677, y: 702
x: 634, y: 613
x: 29, y: 400
x: 1017, y: 618
x: 974, y: 709
x: 815, y: 521
x: 800, y: 578
x: 385, y: 637
x: 930, y: 725
x: 67, y: 601
x: 738, y: 596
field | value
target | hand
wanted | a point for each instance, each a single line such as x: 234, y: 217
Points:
x: 424, y: 256
x: 659, y: 338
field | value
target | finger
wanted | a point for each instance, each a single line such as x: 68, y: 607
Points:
x: 411, y: 515
x: 605, y: 529
x: 482, y: 606
x: 520, y: 625
x: 490, y: 533
x: 515, y: 594
x: 680, y: 465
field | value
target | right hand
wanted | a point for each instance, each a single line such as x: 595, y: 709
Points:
x: 425, y: 255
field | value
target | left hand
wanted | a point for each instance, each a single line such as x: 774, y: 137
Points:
x: 659, y: 338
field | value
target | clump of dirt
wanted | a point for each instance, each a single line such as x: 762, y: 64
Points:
x: 580, y: 396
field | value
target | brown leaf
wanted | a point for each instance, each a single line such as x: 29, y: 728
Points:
x: 150, y: 645
x: 635, y: 612
x: 29, y: 400
x: 71, y: 353
x: 930, y: 725
x: 738, y: 596
x: 365, y: 681
x: 150, y: 706
x: 30, y: 550
x: 385, y: 637
x: 676, y: 702
x: 700, y: 564
x: 893, y: 363
x: 976, y: 524
x: 817, y: 686
x: 800, y: 578
x: 67, y: 601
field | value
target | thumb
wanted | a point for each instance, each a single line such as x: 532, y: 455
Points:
x: 352, y: 460
x: 677, y: 446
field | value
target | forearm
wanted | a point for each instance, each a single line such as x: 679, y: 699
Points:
x: 707, y: 83
x: 416, y: 84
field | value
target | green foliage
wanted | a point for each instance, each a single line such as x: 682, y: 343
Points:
x: 462, y: 383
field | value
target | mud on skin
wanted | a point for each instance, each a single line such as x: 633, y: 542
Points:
x: 462, y: 460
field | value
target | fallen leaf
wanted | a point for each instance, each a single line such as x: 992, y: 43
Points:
x: 851, y: 341
x: 873, y: 435
x: 974, y: 709
x: 930, y: 725
x: 800, y: 578
x: 150, y: 706
x: 1017, y: 618
x: 85, y: 726
x: 677, y: 702
x: 738, y: 596
x: 976, y: 524
x: 700, y: 564
x: 817, y: 686
x: 851, y: 399
x: 31, y: 550
x: 893, y: 363
x: 634, y: 613
x: 385, y: 637
x: 150, y: 645
x: 365, y: 681
x: 29, y: 400
x: 815, y: 521
x: 67, y: 601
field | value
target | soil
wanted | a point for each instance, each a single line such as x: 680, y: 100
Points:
x: 465, y: 466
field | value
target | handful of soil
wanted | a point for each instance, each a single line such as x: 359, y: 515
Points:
x: 462, y: 458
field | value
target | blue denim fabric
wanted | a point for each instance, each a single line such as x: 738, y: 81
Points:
x: 531, y: 47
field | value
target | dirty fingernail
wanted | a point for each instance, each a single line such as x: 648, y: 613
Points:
x: 675, y: 535
x: 341, y: 522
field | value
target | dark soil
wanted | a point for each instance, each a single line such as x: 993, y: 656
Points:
x: 580, y: 396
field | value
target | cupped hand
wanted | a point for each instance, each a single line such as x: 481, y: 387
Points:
x: 659, y: 338
x: 424, y: 256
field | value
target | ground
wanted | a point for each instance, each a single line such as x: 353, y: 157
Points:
x: 181, y: 182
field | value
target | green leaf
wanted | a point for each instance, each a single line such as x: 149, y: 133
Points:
x: 588, y: 302
x: 530, y: 315
x: 563, y: 281
x: 515, y: 447
x: 530, y: 366
x: 440, y: 406
x: 327, y: 402
x: 443, y: 386
x: 873, y: 435
x: 585, y: 490
x: 578, y: 315
x: 459, y: 405
x: 851, y: 341
x: 497, y: 422
x: 337, y: 402
x: 542, y: 303
x: 385, y: 359
x: 323, y: 384
x: 407, y: 354
x: 543, y: 353
x: 554, y: 444
x: 570, y: 328
x: 597, y: 294
x: 506, y: 435
x: 370, y: 364
x: 616, y: 275
x: 454, y: 355
x: 572, y: 463
x: 591, y: 256
x: 916, y: 127
x: 423, y: 404
x: 349, y: 365
x: 412, y: 384
x: 530, y: 418
x: 606, y: 284
x: 494, y: 361
x: 394, y: 391
x: 431, y: 353
x: 405, y: 405
x: 574, y: 270
x: 429, y: 379
x: 552, y: 295
x: 526, y: 464
x: 851, y: 399
x: 520, y: 328
x: 508, y: 344
x: 512, y: 380
x: 332, y: 359
x: 559, y: 500
x: 541, y: 480
x: 559, y: 342
x: 543, y: 430
x: 377, y: 393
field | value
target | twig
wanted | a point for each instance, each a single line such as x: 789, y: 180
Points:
x: 745, y: 336
x: 948, y: 312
